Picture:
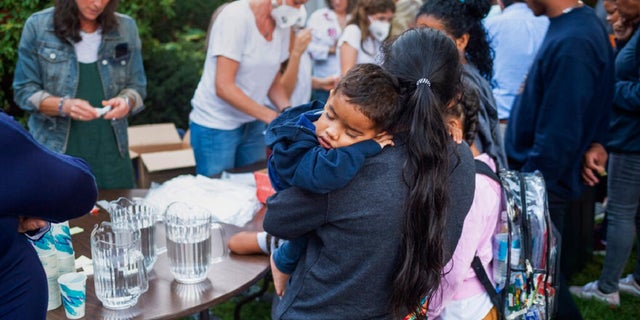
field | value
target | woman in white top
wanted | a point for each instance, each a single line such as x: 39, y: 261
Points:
x: 327, y: 25
x: 369, y: 27
x: 247, y: 43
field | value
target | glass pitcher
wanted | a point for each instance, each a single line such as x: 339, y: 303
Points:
x: 137, y: 215
x: 118, y: 266
x: 190, y: 242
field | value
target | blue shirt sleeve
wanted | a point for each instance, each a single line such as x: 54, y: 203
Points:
x: 38, y: 182
x: 320, y: 170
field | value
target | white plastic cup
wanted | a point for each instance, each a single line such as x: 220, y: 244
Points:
x: 49, y: 260
x: 73, y: 289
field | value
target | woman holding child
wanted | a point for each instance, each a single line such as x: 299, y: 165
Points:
x: 379, y: 244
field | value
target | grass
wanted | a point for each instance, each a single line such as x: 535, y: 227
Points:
x: 592, y: 310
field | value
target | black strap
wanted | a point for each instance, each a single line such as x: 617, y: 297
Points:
x: 481, y: 273
x: 484, y: 169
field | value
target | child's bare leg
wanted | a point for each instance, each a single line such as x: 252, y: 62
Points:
x: 245, y: 242
x: 280, y: 278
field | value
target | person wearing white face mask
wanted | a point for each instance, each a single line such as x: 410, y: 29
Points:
x: 369, y: 27
x: 247, y: 43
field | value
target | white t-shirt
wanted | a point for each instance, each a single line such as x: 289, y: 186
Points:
x: 235, y: 35
x: 87, y: 48
x: 325, y: 32
x: 368, y: 52
x: 302, y: 92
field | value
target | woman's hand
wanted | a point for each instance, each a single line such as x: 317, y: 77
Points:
x: 302, y: 40
x: 30, y: 224
x: 78, y: 109
x: 120, y: 107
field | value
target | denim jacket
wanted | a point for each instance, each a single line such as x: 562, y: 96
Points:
x: 48, y: 66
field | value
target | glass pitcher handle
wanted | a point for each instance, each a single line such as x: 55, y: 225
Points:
x: 143, y: 278
x: 223, y: 247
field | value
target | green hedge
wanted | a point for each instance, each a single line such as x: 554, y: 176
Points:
x: 173, y: 36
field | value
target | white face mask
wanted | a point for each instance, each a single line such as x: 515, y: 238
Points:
x: 286, y: 16
x: 379, y: 29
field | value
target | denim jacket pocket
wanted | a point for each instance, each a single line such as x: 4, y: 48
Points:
x: 54, y: 65
x: 118, y: 64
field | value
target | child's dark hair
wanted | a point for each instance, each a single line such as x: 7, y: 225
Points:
x: 427, y: 66
x: 460, y: 17
x: 466, y: 109
x: 373, y: 90
x: 361, y: 12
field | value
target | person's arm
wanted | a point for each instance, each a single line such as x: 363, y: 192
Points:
x: 627, y: 96
x: 349, y: 43
x: 226, y: 89
x: 348, y: 57
x: 299, y: 46
x: 227, y: 43
x: 308, y: 210
x: 298, y: 160
x: 38, y: 182
x: 326, y: 84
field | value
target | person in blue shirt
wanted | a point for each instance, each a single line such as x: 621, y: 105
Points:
x: 320, y: 148
x: 515, y: 36
x: 37, y: 186
x: 560, y: 121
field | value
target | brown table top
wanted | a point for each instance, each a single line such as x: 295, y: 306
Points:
x: 167, y: 299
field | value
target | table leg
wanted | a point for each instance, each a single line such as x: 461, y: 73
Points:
x: 247, y: 299
x: 204, y: 314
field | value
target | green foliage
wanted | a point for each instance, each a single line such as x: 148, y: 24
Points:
x: 172, y: 34
x: 12, y: 18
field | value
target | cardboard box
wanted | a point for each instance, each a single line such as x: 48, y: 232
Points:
x: 264, y: 189
x: 154, y: 137
x: 161, y: 154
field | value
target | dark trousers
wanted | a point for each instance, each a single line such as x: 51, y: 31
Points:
x: 574, y: 221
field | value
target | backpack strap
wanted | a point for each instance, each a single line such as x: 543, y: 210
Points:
x: 484, y: 169
x: 481, y: 273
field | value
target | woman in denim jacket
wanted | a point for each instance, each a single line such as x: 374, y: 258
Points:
x: 80, y: 74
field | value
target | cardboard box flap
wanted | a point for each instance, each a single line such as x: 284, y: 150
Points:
x: 154, y: 137
x: 165, y: 160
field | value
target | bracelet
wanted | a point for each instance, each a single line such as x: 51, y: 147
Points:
x: 60, y: 105
x: 127, y: 99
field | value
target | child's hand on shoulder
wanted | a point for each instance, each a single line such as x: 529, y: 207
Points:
x: 456, y: 133
x: 384, y: 139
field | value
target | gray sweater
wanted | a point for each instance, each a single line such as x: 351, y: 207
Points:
x: 355, y: 237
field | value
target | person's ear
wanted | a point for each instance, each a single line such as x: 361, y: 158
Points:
x: 455, y: 123
x: 462, y: 42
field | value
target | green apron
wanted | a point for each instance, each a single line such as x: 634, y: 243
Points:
x: 94, y: 141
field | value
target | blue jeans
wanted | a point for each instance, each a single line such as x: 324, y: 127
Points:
x: 217, y: 150
x: 623, y: 212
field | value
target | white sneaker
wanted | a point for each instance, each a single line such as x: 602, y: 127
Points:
x: 591, y: 291
x: 629, y: 285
